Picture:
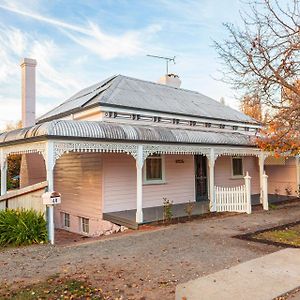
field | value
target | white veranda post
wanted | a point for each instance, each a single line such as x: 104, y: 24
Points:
x: 261, y: 173
x: 248, y: 192
x: 265, y: 192
x: 211, y: 165
x: 139, y: 184
x: 50, y: 163
x: 297, y: 175
x: 3, y: 166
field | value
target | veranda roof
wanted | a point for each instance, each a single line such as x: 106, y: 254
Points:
x: 131, y: 93
x: 95, y: 130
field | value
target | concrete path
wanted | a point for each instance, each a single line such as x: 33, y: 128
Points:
x: 263, y: 278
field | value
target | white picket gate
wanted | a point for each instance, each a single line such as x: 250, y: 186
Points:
x: 235, y: 199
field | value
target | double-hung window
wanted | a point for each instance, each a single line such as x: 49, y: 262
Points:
x: 154, y: 170
x: 65, y: 220
x: 84, y: 225
x: 237, y: 166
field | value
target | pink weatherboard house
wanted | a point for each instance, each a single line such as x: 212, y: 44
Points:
x: 114, y: 150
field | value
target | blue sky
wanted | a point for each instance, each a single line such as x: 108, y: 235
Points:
x: 78, y: 43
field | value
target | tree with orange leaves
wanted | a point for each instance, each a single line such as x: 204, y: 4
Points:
x: 251, y: 106
x: 262, y: 58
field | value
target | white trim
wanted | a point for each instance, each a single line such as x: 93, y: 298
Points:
x: 297, y: 172
x: 140, y: 158
x: 163, y: 172
x: 195, y: 181
x: 243, y: 171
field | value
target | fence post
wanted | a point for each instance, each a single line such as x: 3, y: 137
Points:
x: 265, y: 192
x: 248, y: 192
x: 3, y: 169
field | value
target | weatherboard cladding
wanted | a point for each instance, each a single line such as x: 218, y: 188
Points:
x: 124, y: 132
x: 127, y: 92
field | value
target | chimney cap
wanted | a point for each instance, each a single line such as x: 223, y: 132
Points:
x: 28, y: 62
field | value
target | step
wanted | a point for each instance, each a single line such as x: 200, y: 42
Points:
x: 111, y: 217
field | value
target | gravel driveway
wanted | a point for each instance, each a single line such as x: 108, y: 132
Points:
x: 147, y: 264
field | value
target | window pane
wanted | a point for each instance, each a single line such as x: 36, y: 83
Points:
x: 154, y: 168
x: 237, y: 166
x: 84, y: 225
x: 67, y: 220
x: 65, y: 217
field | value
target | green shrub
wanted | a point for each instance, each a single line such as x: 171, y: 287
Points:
x: 22, y: 227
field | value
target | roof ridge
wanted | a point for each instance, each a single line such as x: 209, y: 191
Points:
x: 119, y: 77
x: 100, y: 90
x: 103, y: 82
x: 162, y: 84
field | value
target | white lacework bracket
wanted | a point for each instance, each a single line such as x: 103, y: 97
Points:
x: 61, y: 148
x: 38, y: 147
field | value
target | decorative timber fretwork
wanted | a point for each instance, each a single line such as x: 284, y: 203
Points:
x: 174, y: 149
x: 37, y: 147
x: 237, y: 151
x: 61, y: 148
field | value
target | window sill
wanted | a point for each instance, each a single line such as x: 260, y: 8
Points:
x: 83, y: 233
x: 154, y: 182
x: 237, y: 177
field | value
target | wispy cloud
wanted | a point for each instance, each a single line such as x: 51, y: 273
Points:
x: 53, y: 83
x: 76, y: 45
x: 56, y: 75
x: 92, y: 37
x: 12, y: 7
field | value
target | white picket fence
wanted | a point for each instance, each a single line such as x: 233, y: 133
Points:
x: 234, y: 199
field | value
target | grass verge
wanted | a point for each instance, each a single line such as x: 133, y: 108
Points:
x: 287, y: 235
x: 55, y: 288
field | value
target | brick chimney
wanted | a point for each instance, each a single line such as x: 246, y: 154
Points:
x: 28, y: 92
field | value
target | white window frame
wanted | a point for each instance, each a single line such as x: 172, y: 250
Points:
x: 63, y: 220
x: 163, y: 172
x: 81, y: 225
x: 237, y: 176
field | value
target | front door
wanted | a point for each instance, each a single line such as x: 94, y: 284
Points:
x: 201, y: 177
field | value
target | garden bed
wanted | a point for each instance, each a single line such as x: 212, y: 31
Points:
x: 287, y: 235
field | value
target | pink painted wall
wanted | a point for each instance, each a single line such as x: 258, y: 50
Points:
x: 223, y: 173
x: 180, y: 182
x: 120, y: 182
x: 282, y: 177
x: 78, y: 177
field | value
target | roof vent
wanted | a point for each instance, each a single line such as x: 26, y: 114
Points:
x: 171, y: 80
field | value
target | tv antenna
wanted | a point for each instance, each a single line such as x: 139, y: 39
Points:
x: 167, y: 59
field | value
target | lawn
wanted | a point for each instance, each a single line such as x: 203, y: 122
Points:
x: 55, y: 288
x: 289, y: 235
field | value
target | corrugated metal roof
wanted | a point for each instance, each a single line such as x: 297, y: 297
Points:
x: 127, y: 92
x: 124, y: 132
